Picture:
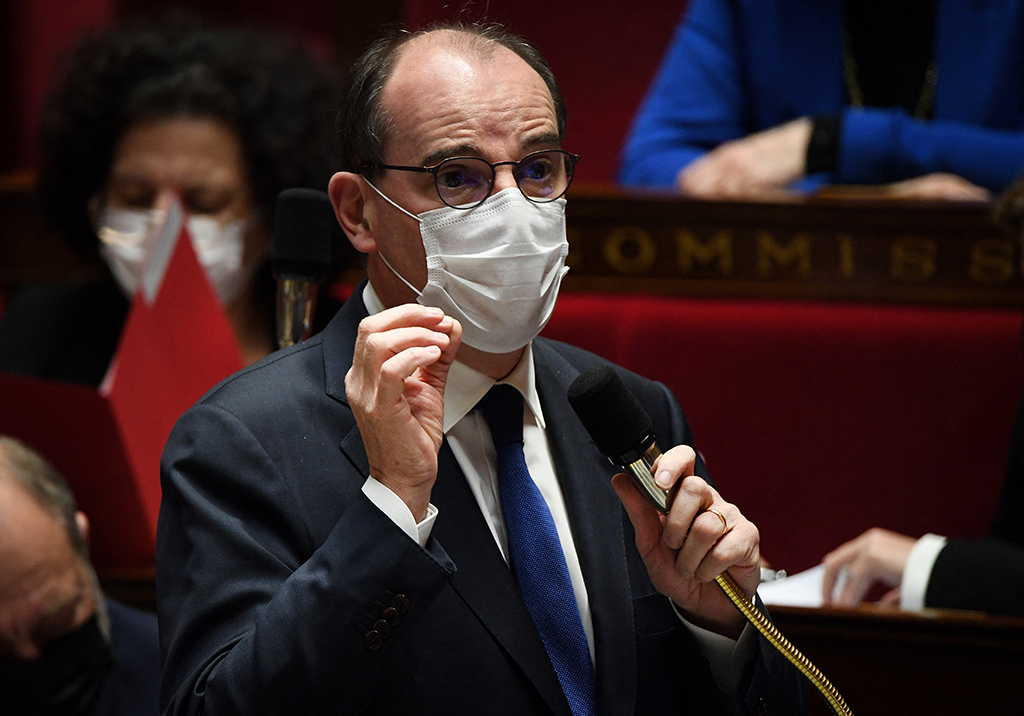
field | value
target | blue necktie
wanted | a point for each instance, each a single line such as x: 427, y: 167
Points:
x: 536, y: 554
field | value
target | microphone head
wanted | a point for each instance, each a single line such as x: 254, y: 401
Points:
x: 618, y: 424
x: 303, y: 221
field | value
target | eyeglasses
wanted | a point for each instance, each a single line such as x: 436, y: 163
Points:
x: 465, y: 182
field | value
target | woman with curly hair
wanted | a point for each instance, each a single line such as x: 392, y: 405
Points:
x: 224, y: 118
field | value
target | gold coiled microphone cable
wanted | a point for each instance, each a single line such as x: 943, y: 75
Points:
x: 624, y: 433
x: 782, y: 644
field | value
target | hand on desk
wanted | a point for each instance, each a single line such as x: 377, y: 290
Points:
x: 687, y: 548
x: 395, y: 388
x: 939, y: 186
x: 876, y: 556
x: 758, y: 166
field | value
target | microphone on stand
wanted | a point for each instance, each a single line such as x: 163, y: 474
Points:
x: 300, y: 256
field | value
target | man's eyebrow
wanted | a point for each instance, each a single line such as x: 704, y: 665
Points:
x: 439, y: 155
x: 548, y: 140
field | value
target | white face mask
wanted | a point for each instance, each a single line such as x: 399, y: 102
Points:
x: 496, y: 267
x: 127, y: 235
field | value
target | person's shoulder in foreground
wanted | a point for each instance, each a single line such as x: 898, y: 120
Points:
x: 65, y: 648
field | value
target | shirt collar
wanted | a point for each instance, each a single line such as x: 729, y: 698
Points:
x: 466, y: 386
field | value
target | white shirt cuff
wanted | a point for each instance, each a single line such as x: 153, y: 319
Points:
x: 918, y: 571
x: 395, y: 508
x: 728, y: 657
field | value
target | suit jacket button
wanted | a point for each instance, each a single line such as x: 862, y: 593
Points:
x: 400, y: 603
x: 373, y: 640
x: 392, y: 616
x: 383, y: 628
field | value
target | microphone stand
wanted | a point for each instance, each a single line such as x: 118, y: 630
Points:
x: 296, y: 304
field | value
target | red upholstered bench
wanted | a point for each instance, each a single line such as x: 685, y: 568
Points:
x: 821, y: 420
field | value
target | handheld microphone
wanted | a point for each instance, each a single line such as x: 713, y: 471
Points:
x: 624, y: 433
x: 620, y: 427
x: 300, y: 256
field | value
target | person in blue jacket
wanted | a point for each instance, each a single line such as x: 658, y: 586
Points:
x: 758, y: 97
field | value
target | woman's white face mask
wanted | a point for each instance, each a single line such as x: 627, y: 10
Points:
x: 496, y: 267
x: 127, y: 236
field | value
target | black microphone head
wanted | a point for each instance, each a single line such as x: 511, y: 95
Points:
x: 303, y: 221
x: 612, y: 415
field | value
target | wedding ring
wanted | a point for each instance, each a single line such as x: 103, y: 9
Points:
x: 725, y: 523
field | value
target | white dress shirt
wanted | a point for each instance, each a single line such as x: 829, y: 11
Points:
x: 918, y: 571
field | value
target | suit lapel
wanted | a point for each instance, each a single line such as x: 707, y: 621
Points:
x: 595, y: 515
x: 484, y: 581
x: 339, y: 343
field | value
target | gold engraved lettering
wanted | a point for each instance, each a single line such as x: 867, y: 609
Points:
x: 692, y: 249
x: 630, y: 250
x: 847, y: 266
x: 913, y: 259
x: 771, y: 253
x: 992, y: 262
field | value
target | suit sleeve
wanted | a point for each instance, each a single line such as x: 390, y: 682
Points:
x: 695, y: 102
x: 978, y: 575
x: 988, y: 575
x: 258, y: 612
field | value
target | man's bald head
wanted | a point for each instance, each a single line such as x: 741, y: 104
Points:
x: 37, y: 477
x: 364, y: 123
x: 48, y: 587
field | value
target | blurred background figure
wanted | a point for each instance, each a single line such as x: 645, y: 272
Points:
x: 225, y: 118
x: 65, y: 648
x: 984, y: 575
x: 757, y: 96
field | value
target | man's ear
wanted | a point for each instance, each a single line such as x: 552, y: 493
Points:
x: 348, y: 196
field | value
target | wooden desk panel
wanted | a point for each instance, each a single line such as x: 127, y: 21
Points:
x: 818, y: 248
x: 885, y: 661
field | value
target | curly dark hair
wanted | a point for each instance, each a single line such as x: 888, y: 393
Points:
x: 276, y: 96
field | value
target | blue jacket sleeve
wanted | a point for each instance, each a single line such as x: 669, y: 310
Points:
x: 883, y: 145
x: 695, y: 102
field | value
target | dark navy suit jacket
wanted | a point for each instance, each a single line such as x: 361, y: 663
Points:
x: 272, y: 565
x: 988, y: 575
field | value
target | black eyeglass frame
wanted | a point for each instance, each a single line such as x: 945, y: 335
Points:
x: 573, y: 158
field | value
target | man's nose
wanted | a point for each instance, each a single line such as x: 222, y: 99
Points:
x: 504, y: 178
x: 163, y: 199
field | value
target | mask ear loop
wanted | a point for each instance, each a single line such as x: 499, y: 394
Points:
x: 390, y: 201
x: 400, y: 277
x: 379, y: 253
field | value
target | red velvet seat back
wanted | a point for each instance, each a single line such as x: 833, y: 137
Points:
x: 821, y: 420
